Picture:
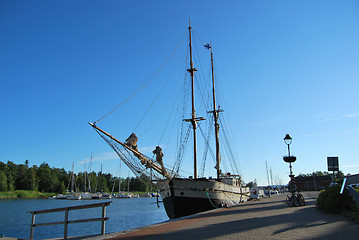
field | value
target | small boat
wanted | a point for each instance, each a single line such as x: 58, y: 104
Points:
x: 86, y: 196
x: 106, y: 196
x: 73, y: 196
x: 124, y: 195
x: 59, y: 196
x: 147, y: 195
x: 96, y: 195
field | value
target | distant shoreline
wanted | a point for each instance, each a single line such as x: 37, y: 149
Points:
x: 28, y: 194
x: 25, y: 194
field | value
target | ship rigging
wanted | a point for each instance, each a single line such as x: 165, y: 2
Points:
x: 184, y: 196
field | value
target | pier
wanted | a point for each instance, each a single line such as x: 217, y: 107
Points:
x: 268, y: 218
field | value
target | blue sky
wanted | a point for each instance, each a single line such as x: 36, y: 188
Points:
x: 285, y: 67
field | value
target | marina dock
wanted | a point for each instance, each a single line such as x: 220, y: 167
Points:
x: 268, y: 218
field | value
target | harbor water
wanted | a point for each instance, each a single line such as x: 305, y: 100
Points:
x: 123, y: 214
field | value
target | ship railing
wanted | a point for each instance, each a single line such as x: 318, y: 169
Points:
x: 66, y: 221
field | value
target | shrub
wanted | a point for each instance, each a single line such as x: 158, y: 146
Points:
x: 331, y: 201
x: 352, y: 215
x: 21, y: 194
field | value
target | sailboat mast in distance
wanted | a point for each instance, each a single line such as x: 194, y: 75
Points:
x: 89, y: 178
x: 73, y: 178
x: 85, y: 173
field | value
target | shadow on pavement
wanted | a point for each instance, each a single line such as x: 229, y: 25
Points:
x: 291, y: 223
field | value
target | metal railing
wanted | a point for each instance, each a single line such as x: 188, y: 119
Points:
x: 66, y: 221
x: 352, y: 192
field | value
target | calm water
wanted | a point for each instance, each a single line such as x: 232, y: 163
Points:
x: 124, y: 214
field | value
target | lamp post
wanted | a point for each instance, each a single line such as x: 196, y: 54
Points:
x: 290, y: 159
x: 296, y: 199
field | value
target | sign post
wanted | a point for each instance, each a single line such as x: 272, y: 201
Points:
x: 333, y: 165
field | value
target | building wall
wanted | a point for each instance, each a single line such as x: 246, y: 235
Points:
x: 312, y: 183
x: 353, y: 179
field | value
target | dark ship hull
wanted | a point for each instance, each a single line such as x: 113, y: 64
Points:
x: 184, y: 197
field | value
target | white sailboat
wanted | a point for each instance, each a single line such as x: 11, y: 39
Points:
x: 73, y: 195
x: 85, y: 195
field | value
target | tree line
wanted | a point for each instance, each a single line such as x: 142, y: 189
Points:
x: 338, y: 174
x: 43, y: 178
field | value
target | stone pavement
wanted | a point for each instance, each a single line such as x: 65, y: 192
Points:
x: 264, y: 219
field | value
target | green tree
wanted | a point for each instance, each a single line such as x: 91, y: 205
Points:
x: 11, y: 175
x: 55, y: 180
x: 139, y: 184
x: 22, y: 181
x: 10, y: 183
x: 3, y: 181
x: 61, y: 188
x: 92, y: 178
x: 32, y: 180
x: 102, y: 183
x: 63, y: 179
x: 81, y: 181
x: 3, y: 166
x: 108, y: 180
x: 46, y: 179
x: 338, y: 174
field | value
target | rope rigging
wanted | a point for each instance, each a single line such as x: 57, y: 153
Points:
x: 155, y: 99
x: 184, y: 130
x: 144, y: 84
x: 207, y: 147
x: 180, y: 109
x: 225, y: 124
x: 231, y: 156
x: 140, y: 169
x: 181, y: 150
x: 202, y: 84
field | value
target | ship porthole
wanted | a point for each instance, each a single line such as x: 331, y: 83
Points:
x: 182, y: 193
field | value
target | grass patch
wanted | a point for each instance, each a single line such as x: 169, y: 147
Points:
x: 24, y: 194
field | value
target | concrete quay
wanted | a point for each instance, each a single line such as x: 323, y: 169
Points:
x: 268, y: 218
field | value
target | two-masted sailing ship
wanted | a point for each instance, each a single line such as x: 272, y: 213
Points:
x: 183, y: 196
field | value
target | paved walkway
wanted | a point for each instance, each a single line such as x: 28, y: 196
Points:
x: 264, y: 219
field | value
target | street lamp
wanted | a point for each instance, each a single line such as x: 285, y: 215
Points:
x: 288, y: 140
x: 296, y: 199
x: 289, y: 159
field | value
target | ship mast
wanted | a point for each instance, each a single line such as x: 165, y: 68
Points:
x: 215, y: 116
x: 193, y: 120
